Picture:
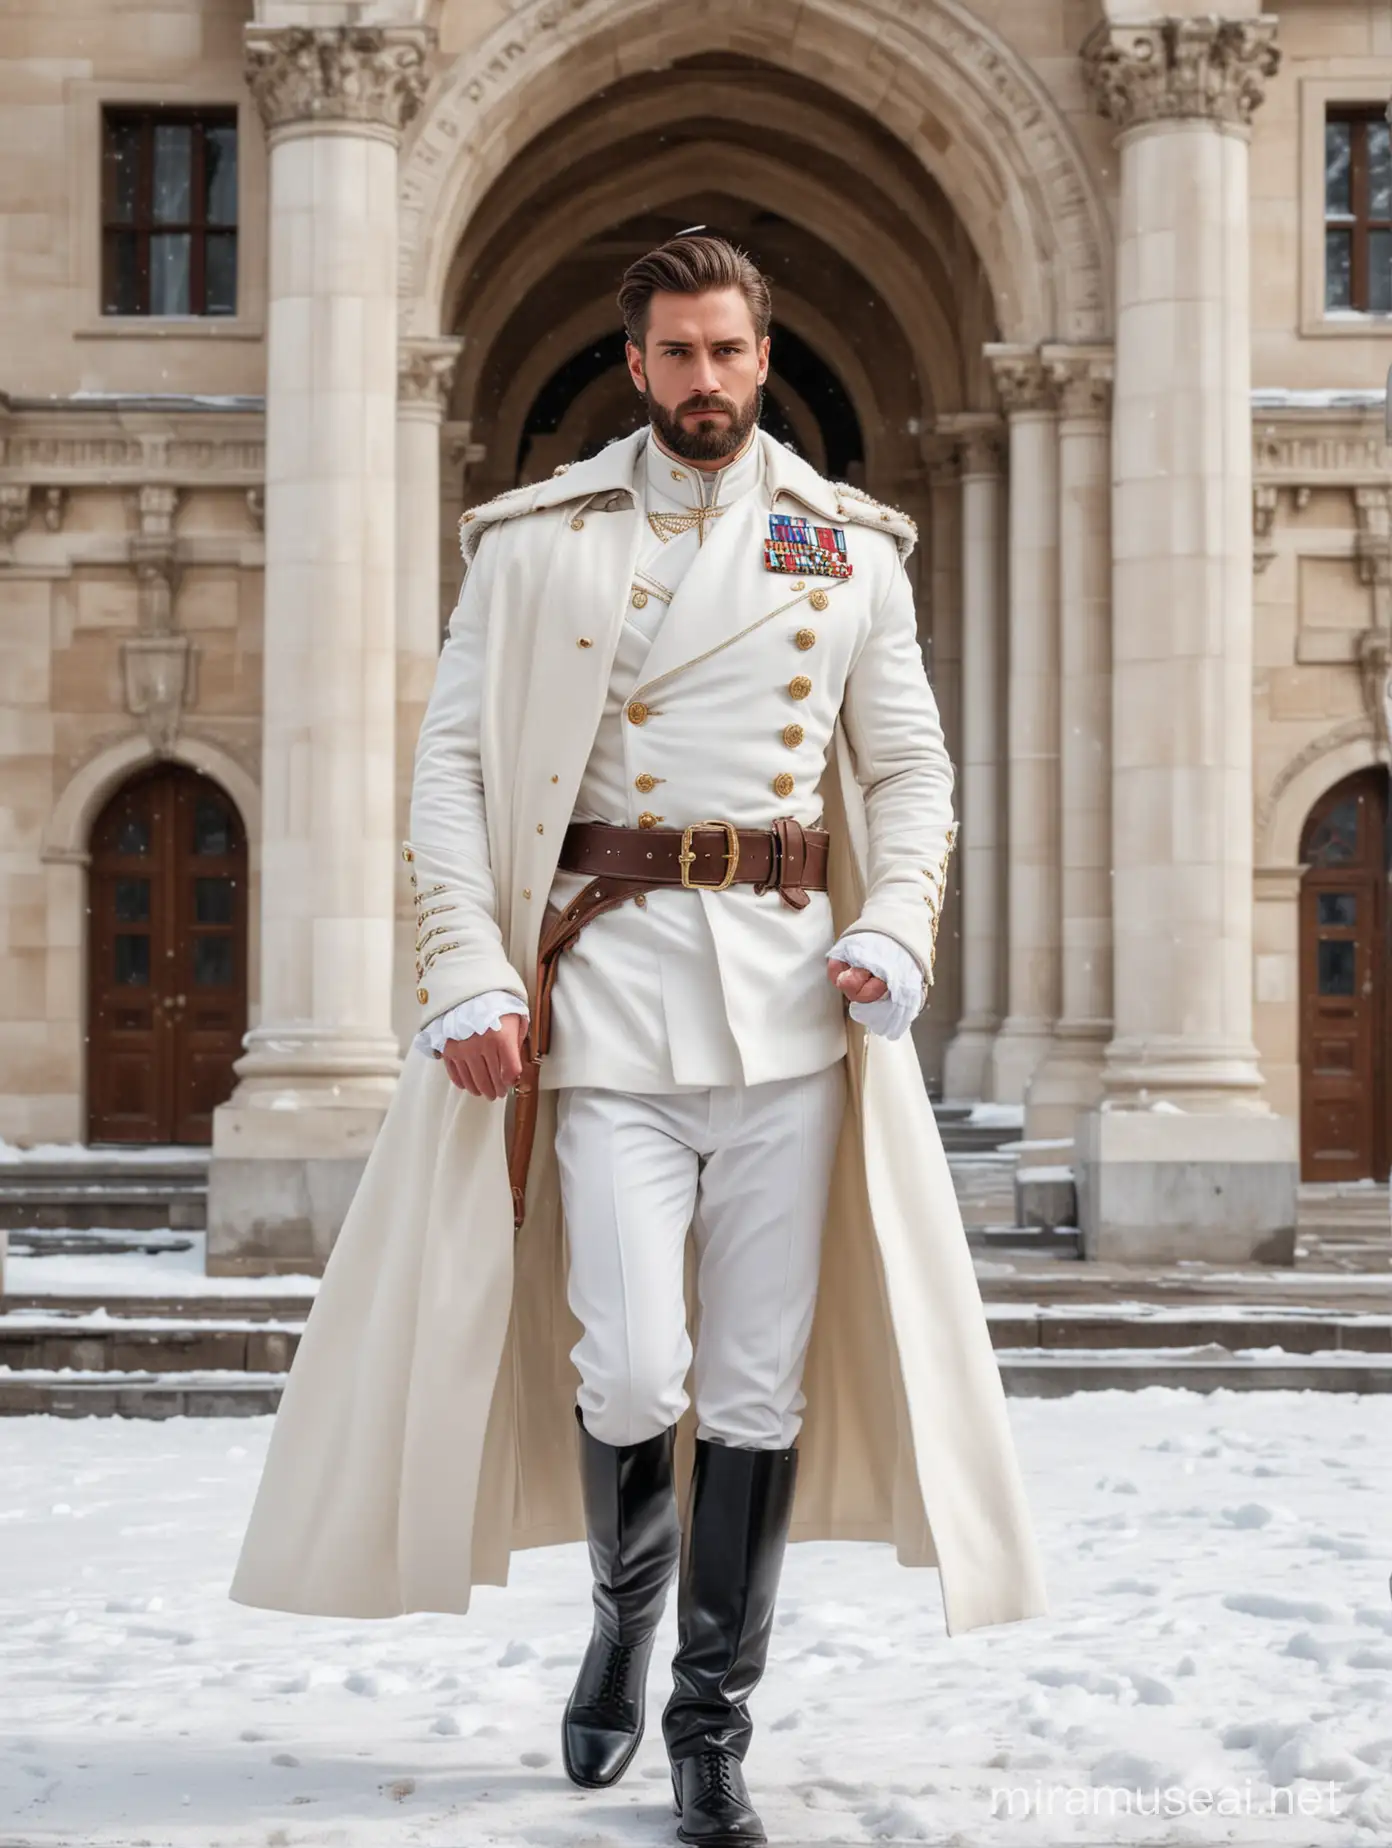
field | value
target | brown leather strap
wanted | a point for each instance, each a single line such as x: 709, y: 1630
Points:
x: 787, y: 858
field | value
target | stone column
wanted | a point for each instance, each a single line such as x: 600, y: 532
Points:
x: 1032, y: 721
x: 967, y: 1072
x: 425, y: 372
x: 319, y: 1070
x: 1070, y: 1079
x: 1187, y: 1160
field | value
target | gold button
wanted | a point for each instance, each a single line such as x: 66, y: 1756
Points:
x: 526, y: 891
x: 677, y: 475
x: 806, y: 638
x: 799, y: 584
x: 555, y: 779
x: 799, y: 686
x: 583, y: 641
x: 637, y: 712
x: 640, y: 598
x: 819, y: 599
x: 782, y: 784
x: 407, y: 854
x: 540, y: 828
x: 648, y: 820
x: 576, y: 524
x: 641, y: 900
x: 422, y: 995
x: 793, y: 736
x: 644, y: 783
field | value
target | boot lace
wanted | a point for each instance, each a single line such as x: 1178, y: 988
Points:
x: 613, y: 1678
x: 715, y: 1773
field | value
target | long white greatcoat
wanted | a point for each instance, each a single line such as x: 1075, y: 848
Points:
x: 427, y: 1424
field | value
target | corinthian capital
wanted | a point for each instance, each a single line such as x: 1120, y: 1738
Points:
x: 425, y: 371
x: 1023, y: 380
x: 1204, y: 69
x: 370, y: 76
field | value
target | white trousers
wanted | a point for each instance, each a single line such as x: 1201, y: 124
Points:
x: 746, y: 1169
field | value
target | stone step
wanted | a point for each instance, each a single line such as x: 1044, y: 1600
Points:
x: 43, y: 1341
x: 135, y: 1190
x: 214, y: 1394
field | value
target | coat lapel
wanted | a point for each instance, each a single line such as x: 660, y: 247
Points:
x: 728, y: 591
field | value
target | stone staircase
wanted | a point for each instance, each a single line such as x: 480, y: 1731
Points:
x: 116, y: 1188
x: 122, y: 1321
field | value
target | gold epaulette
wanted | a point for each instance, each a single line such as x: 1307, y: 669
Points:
x: 856, y: 505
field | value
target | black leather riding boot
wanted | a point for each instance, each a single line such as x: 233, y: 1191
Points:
x: 635, y: 1541
x: 732, y: 1555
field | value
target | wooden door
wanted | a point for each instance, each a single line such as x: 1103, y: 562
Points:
x: 1343, y: 983
x: 167, y: 959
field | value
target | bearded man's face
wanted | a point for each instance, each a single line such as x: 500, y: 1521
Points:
x: 701, y: 371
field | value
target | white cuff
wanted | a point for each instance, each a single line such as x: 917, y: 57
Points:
x: 479, y: 1014
x: 894, y: 1013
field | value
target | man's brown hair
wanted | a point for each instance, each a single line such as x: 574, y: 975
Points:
x: 692, y: 266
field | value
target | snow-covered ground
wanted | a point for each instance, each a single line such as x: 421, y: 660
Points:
x: 178, y: 1270
x: 1217, y: 1567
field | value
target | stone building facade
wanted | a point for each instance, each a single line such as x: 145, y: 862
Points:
x: 1101, y: 296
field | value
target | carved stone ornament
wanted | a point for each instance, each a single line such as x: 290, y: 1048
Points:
x: 1265, y: 501
x: 375, y: 76
x: 1375, y: 672
x: 1204, y: 69
x: 159, y: 675
x: 1083, y: 380
x: 425, y: 371
x: 1023, y: 380
x: 14, y: 510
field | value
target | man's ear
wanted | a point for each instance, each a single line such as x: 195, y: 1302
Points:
x: 634, y: 355
x: 765, y: 347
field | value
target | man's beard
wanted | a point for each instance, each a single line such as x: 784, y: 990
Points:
x: 709, y: 441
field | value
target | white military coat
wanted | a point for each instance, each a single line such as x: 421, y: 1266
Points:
x: 426, y: 1427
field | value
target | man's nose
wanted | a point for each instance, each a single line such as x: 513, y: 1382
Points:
x: 707, y: 379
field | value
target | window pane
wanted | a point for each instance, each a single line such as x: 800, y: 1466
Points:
x: 1336, y: 967
x: 172, y: 192
x: 220, y: 273
x: 1379, y: 170
x: 1338, y: 269
x: 1338, y: 165
x: 212, y: 827
x: 1335, y: 840
x: 1339, y: 909
x: 123, y: 291
x: 134, y: 836
x: 212, y: 962
x: 169, y: 273
x: 1380, y: 271
x: 122, y: 172
x: 220, y: 175
x: 133, y: 961
x: 212, y: 901
x: 133, y: 901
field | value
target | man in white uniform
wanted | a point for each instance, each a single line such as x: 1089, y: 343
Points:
x: 696, y: 1030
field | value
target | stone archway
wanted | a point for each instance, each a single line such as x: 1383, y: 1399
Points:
x: 965, y: 105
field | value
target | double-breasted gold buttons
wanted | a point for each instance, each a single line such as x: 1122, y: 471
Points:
x: 577, y: 524
x: 793, y: 736
x: 422, y: 995
x: 819, y: 599
x: 806, y: 638
x: 782, y: 784
x: 583, y: 641
x: 799, y: 686
x: 648, y: 820
x: 639, y: 598
x: 644, y: 783
x: 637, y: 713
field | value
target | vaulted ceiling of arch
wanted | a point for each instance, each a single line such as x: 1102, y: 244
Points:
x: 870, y: 265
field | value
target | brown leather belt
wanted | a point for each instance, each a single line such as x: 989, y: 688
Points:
x: 624, y: 862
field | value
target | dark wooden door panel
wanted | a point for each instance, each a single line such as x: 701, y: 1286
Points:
x: 1343, y: 983
x: 167, y: 953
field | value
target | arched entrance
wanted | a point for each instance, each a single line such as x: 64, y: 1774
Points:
x: 1344, y: 983
x: 167, y: 958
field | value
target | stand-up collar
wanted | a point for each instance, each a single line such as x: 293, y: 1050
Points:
x: 670, y: 482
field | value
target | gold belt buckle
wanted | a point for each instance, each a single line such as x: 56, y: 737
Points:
x: 686, y: 859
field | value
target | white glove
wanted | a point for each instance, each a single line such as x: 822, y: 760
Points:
x: 479, y: 1014
x: 892, y: 1014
